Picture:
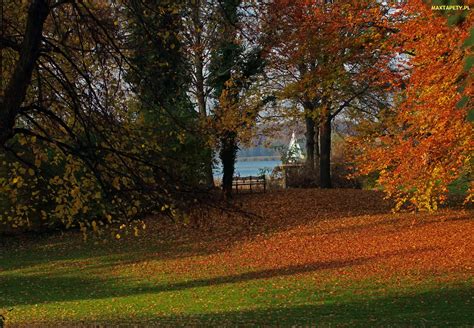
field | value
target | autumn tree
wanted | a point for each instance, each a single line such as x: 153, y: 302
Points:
x: 427, y: 144
x: 235, y: 65
x: 335, y: 59
x: 74, y: 150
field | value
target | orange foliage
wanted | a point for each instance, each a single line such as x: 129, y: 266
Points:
x: 430, y: 143
x: 342, y: 45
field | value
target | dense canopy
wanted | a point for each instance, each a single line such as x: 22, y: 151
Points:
x: 112, y: 111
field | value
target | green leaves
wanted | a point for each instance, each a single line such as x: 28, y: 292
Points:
x: 462, y: 102
x: 470, y: 40
x: 470, y: 115
x: 469, y: 63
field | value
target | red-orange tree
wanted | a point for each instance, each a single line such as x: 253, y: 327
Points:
x: 331, y: 56
x: 429, y: 143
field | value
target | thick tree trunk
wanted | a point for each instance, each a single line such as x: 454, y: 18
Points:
x: 325, y: 143
x: 228, y: 155
x: 310, y: 143
x: 16, y: 88
x: 317, y: 153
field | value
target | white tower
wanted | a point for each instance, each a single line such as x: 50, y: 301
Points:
x: 294, y: 150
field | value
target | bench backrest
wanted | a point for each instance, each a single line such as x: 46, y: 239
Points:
x: 260, y: 178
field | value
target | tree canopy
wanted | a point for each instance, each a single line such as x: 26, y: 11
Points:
x: 112, y: 111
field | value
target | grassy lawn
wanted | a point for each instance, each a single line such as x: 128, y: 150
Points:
x: 307, y: 257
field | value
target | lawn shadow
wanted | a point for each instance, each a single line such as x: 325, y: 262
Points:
x: 451, y: 307
x: 17, y: 289
x: 443, y: 307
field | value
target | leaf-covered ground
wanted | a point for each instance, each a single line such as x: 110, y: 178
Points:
x: 305, y: 257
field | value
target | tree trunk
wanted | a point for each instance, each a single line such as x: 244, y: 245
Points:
x: 317, y: 154
x: 325, y: 143
x: 16, y: 88
x: 208, y: 170
x: 228, y: 155
x: 200, y: 93
x: 310, y: 144
x: 201, y: 99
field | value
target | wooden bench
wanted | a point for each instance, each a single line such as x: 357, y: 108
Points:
x: 249, y: 181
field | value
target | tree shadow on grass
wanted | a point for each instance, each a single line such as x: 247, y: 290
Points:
x: 444, y: 307
x: 438, y: 307
x: 17, y: 289
x: 36, y: 250
x: 73, y: 249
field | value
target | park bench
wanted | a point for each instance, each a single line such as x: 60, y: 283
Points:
x: 249, y: 181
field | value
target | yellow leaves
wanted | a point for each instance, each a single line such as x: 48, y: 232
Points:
x: 18, y: 182
x: 181, y: 137
x: 83, y: 229
x: 75, y: 191
x: 94, y: 226
x: 116, y: 183
x: 186, y: 219
x: 68, y: 197
x: 38, y: 161
x: 133, y: 211
x: 22, y: 140
x: 57, y: 181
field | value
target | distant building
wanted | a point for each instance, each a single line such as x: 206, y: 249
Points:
x: 294, y: 155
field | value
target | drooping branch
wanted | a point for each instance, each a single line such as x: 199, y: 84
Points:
x: 18, y: 84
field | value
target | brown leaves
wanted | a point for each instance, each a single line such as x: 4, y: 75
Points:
x: 341, y: 232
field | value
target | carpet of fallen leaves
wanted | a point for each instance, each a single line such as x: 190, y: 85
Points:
x: 296, y: 235
x: 348, y: 232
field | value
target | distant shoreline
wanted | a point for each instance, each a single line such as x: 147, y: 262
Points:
x: 258, y: 158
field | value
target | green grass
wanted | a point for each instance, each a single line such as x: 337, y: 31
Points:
x: 70, y: 282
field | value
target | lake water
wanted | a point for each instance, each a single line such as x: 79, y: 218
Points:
x: 244, y: 169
